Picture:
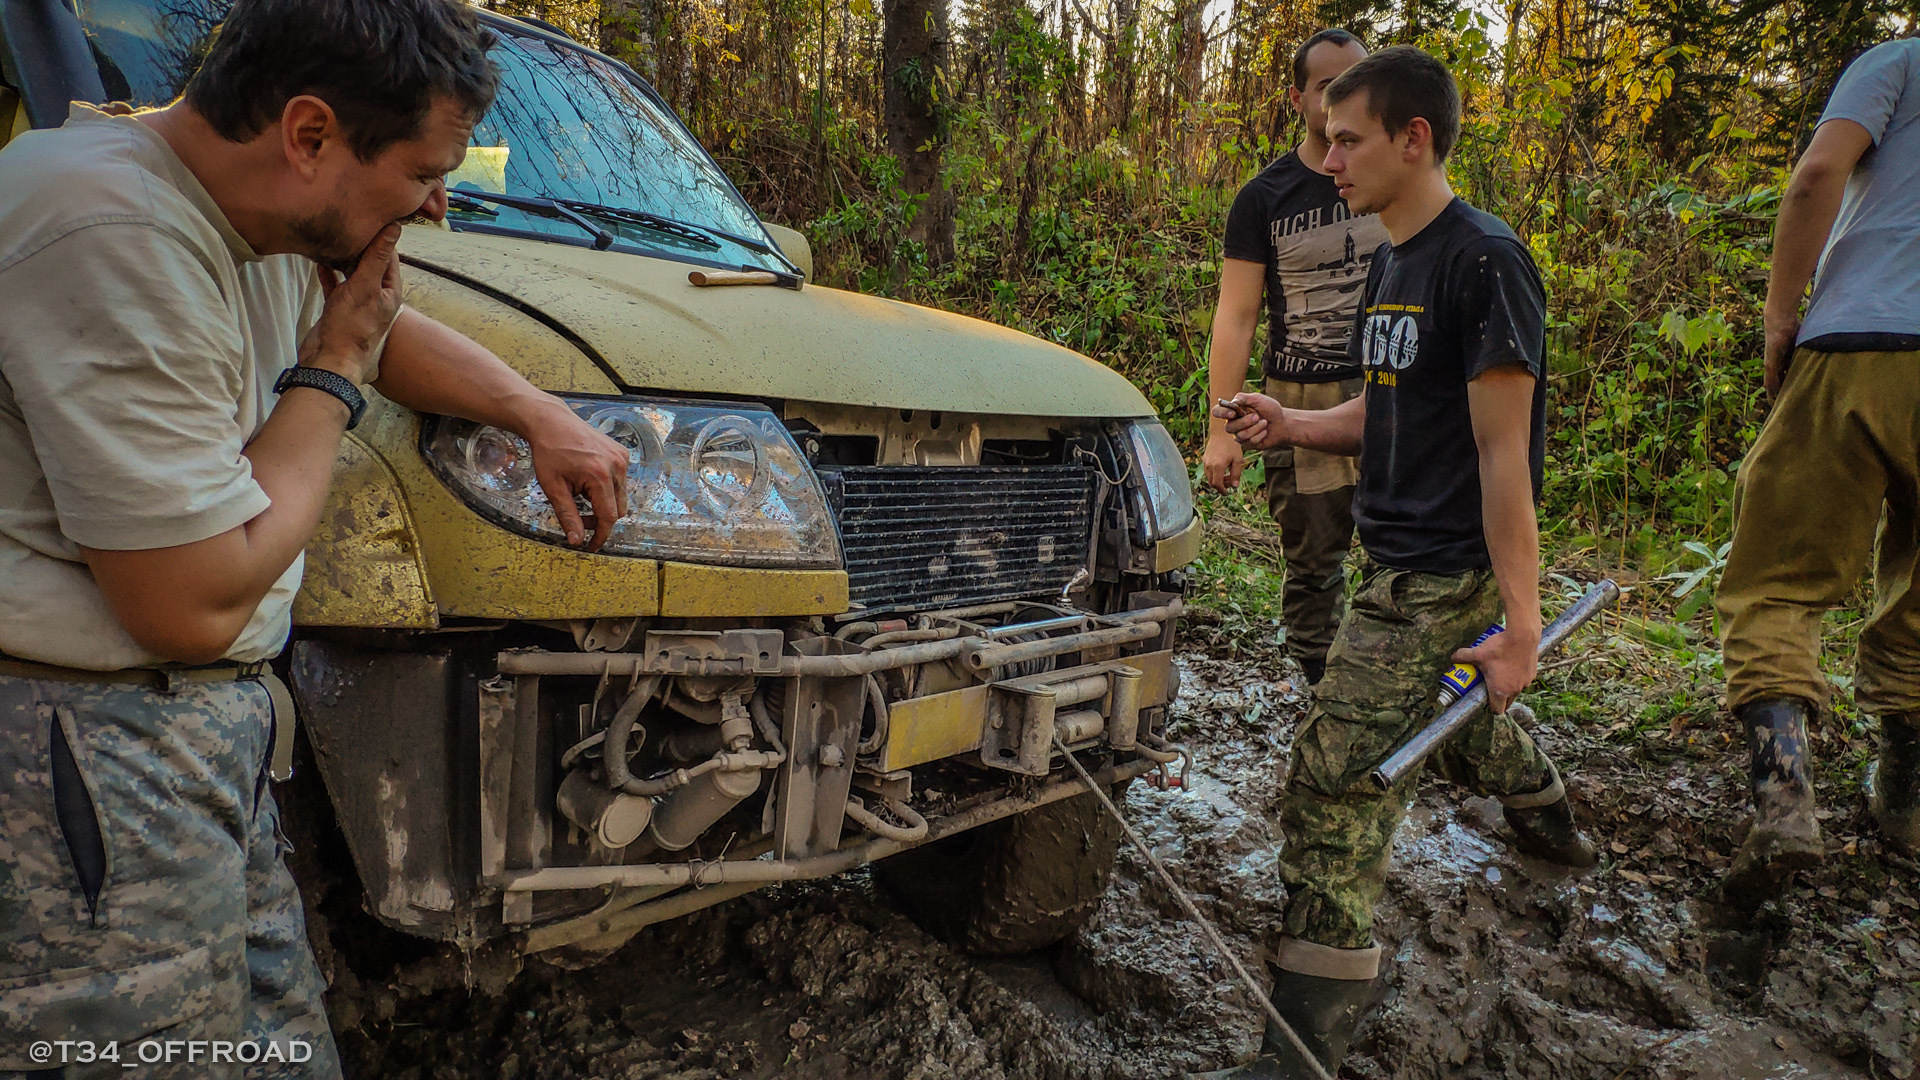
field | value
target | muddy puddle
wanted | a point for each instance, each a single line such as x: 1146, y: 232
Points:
x: 1501, y: 966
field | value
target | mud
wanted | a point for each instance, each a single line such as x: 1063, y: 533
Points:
x: 1501, y: 966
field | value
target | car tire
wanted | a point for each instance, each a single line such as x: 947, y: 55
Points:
x: 1012, y: 886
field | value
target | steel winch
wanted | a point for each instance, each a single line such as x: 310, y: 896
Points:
x: 825, y: 714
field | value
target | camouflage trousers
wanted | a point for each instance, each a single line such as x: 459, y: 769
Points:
x: 144, y: 900
x: 1399, y: 634
x: 1310, y: 496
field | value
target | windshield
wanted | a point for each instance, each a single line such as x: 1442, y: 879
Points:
x: 566, y: 125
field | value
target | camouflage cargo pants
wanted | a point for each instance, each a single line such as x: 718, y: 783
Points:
x: 190, y: 927
x: 1310, y: 496
x: 1399, y: 634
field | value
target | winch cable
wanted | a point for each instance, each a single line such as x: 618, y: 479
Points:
x: 1193, y: 912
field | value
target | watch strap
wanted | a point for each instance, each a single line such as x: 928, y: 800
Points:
x: 320, y: 379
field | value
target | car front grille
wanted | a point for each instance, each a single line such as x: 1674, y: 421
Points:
x: 927, y: 537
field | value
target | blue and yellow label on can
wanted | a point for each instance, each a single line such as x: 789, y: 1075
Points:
x: 1460, y: 678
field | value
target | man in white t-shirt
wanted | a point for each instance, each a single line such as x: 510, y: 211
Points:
x: 1834, y: 478
x: 193, y: 299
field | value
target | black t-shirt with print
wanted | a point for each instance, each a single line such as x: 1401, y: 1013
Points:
x: 1293, y: 221
x: 1456, y: 300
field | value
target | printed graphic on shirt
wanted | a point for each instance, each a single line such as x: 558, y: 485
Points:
x: 1389, y: 342
x: 1320, y: 266
x: 1293, y: 221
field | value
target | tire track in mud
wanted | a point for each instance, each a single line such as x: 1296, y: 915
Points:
x: 1502, y: 967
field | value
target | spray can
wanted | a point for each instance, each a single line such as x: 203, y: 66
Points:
x: 1460, y: 678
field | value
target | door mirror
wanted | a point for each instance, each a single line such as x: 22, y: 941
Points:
x: 794, y: 246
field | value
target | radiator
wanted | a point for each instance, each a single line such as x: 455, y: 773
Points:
x: 928, y: 537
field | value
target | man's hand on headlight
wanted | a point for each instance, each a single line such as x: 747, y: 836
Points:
x: 571, y: 458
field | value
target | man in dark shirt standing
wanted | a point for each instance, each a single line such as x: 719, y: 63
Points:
x: 1451, y: 432
x: 1291, y: 237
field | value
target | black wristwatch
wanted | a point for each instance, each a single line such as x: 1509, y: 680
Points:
x: 321, y: 379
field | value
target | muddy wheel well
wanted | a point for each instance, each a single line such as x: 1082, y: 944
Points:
x: 1013, y: 886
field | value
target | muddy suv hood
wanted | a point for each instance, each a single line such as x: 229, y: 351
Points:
x: 660, y: 333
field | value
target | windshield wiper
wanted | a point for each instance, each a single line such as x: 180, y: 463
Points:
x: 578, y: 211
x: 697, y: 234
x: 475, y: 201
x: 667, y: 224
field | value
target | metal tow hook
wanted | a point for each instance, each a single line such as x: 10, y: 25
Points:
x: 1164, y: 780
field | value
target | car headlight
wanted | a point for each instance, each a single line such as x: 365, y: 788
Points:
x: 706, y: 483
x: 1164, y: 488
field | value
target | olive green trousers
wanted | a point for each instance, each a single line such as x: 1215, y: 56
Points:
x: 1832, y: 481
x: 1310, y: 496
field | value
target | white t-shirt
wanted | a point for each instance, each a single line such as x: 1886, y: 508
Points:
x: 1869, y: 276
x: 140, y: 337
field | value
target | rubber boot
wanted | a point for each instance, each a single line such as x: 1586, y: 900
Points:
x: 1893, y: 782
x: 1543, y: 824
x: 1323, y: 1012
x: 1785, y: 837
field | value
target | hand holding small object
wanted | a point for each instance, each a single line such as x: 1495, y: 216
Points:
x: 1256, y: 420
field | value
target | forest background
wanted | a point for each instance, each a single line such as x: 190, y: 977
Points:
x: 1065, y: 167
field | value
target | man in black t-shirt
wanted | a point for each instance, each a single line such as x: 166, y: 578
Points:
x: 1450, y: 430
x: 1291, y: 237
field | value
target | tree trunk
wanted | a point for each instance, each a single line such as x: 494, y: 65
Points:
x: 1120, y: 44
x: 1189, y: 57
x: 913, y: 53
x: 626, y: 33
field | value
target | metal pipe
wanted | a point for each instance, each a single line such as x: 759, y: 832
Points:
x: 977, y: 610
x: 938, y: 633
x: 1137, y: 625
x: 540, y: 662
x: 1409, y: 756
x: 1039, y: 627
x: 982, y: 657
x: 1169, y: 610
x: 743, y: 871
x: 725, y: 762
x: 1123, y: 708
x: 633, y: 918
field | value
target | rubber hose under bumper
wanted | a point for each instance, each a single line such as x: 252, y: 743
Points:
x: 915, y: 829
x: 613, y: 751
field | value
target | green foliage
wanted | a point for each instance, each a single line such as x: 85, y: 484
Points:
x: 1694, y: 588
x: 1093, y: 149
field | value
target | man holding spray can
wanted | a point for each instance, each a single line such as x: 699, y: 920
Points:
x: 1451, y: 436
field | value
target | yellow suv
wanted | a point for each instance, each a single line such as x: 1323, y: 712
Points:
x: 883, y: 565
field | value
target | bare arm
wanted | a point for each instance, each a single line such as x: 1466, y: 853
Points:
x: 429, y: 367
x: 188, y: 603
x: 1807, y: 212
x: 1501, y: 403
x: 1242, y: 287
x: 1266, y: 424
